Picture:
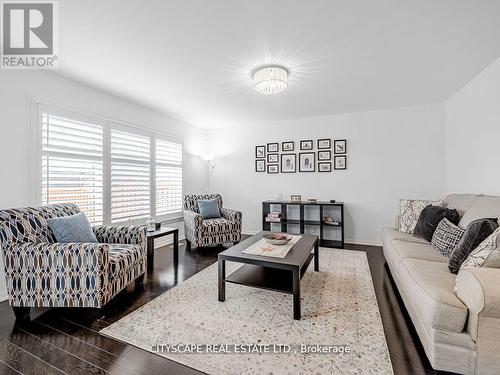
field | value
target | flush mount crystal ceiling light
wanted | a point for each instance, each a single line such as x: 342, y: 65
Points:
x: 270, y: 80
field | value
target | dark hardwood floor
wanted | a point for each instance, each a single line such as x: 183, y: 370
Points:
x: 67, y: 341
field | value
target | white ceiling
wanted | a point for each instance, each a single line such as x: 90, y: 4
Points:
x: 192, y: 58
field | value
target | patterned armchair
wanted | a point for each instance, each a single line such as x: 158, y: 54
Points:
x: 210, y: 232
x: 42, y: 273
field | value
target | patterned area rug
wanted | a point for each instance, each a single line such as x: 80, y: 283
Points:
x: 339, y: 310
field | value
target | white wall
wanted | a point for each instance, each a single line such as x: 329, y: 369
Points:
x: 392, y: 154
x: 473, y: 135
x: 16, y: 87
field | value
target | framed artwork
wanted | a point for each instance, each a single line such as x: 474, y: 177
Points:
x: 325, y: 167
x: 324, y: 144
x: 340, y: 146
x: 273, y: 147
x: 296, y: 198
x: 306, y: 145
x: 260, y: 165
x: 288, y: 163
x: 260, y: 152
x: 307, y: 162
x: 287, y: 146
x: 340, y: 162
x: 324, y: 155
x: 273, y: 158
x: 272, y: 168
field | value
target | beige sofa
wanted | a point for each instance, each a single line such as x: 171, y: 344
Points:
x: 460, y: 331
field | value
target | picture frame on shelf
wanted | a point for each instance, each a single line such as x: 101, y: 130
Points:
x: 324, y: 143
x: 273, y: 168
x: 273, y: 147
x: 260, y: 152
x: 306, y: 145
x: 307, y: 162
x: 296, y: 198
x: 325, y: 166
x: 288, y: 163
x: 340, y: 146
x: 325, y: 155
x: 287, y: 146
x: 273, y: 158
x: 260, y: 165
x: 340, y: 162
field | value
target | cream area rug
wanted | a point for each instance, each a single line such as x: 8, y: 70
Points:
x: 253, y: 331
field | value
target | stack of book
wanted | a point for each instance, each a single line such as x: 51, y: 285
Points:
x: 273, y: 217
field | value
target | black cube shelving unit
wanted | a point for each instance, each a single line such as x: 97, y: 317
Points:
x: 302, y: 222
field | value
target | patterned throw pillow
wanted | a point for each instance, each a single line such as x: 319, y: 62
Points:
x: 487, y: 254
x: 409, y: 210
x: 446, y: 237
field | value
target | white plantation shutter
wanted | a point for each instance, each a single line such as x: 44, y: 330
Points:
x: 130, y: 176
x: 72, y: 164
x: 168, y: 164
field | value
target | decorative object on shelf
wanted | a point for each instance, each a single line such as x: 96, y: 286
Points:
x: 260, y: 152
x: 150, y: 225
x: 273, y: 217
x: 273, y: 147
x: 340, y: 146
x: 260, y: 165
x: 306, y: 145
x: 324, y: 155
x: 331, y: 221
x: 325, y: 167
x: 325, y: 143
x: 272, y: 168
x: 307, y: 162
x: 288, y: 163
x: 273, y: 158
x: 270, y: 79
x: 277, y: 238
x: 312, y: 200
x: 340, y: 162
x: 287, y: 146
x: 158, y: 226
x: 296, y: 198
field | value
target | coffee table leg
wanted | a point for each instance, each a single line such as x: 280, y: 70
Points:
x: 176, y: 247
x: 150, y: 253
x: 222, y: 282
x: 296, y: 294
x: 316, y: 256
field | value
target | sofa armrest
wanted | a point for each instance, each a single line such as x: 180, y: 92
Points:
x: 130, y: 235
x: 231, y: 215
x: 45, y: 274
x: 193, y: 224
x: 193, y: 219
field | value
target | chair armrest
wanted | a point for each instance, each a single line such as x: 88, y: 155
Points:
x: 231, y: 215
x: 130, y: 235
x: 193, y: 219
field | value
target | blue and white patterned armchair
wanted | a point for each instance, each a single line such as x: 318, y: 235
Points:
x: 42, y: 273
x: 201, y: 232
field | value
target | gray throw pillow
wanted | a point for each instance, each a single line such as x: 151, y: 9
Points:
x: 475, y: 233
x: 74, y: 228
x: 429, y: 219
x: 446, y: 237
x: 209, y: 208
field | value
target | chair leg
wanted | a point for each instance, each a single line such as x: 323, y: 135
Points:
x: 236, y: 242
x: 21, y: 312
x: 139, y: 281
x: 188, y: 245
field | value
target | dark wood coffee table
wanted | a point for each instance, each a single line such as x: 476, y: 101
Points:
x: 278, y: 274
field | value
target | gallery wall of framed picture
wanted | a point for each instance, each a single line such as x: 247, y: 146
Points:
x: 322, y: 155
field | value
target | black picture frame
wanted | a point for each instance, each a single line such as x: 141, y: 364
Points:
x: 335, y: 162
x: 323, y: 158
x: 287, y: 146
x: 324, y: 147
x: 257, y: 162
x: 294, y: 164
x: 342, y: 143
x: 257, y: 154
x: 273, y: 158
x: 273, y: 147
x: 313, y: 162
x: 325, y: 164
x: 306, y: 145
x: 270, y: 166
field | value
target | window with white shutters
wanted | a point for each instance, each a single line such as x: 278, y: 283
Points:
x: 168, y: 163
x: 72, y: 164
x: 130, y: 176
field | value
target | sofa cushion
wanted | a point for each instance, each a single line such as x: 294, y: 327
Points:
x: 430, y: 287
x: 484, y: 206
x: 423, y: 251
x: 429, y: 219
x: 460, y: 202
x: 409, y: 211
x: 122, y: 257
x: 446, y: 237
x: 220, y: 225
x: 390, y: 234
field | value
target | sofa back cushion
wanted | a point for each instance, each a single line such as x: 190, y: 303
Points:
x: 191, y: 201
x: 483, y: 207
x: 460, y: 202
